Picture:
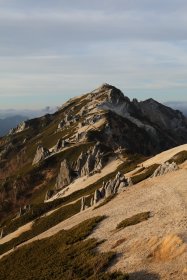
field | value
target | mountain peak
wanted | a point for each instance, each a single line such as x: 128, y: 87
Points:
x: 104, y: 86
x: 109, y: 93
x: 150, y: 100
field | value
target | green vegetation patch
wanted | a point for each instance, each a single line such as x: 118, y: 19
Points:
x: 64, y: 256
x: 134, y: 220
x: 42, y: 224
x: 145, y: 174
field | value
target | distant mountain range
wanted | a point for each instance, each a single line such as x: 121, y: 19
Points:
x: 10, y: 118
x: 181, y: 106
x: 30, y: 113
x: 7, y: 123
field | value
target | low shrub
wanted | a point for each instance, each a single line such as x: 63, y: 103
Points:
x: 179, y: 158
x: 42, y: 224
x: 64, y: 256
x: 145, y: 174
x: 136, y: 219
x: 118, y: 243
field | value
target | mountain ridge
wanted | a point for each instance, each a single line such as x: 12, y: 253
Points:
x: 99, y: 154
x: 104, y: 115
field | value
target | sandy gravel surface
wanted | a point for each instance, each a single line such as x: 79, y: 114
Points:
x: 166, y: 155
x: 156, y: 246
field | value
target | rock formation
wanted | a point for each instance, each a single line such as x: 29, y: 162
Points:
x: 129, y: 181
x: 59, y: 145
x: 81, y: 162
x: 65, y: 175
x: 109, y: 188
x: 128, y: 117
x: 83, y: 203
x: 22, y: 126
x: 61, y: 125
x: 90, y: 162
x: 79, y: 136
x: 92, y: 202
x: 41, y: 154
x: 2, y: 233
x: 116, y: 185
x: 24, y: 210
x: 97, y: 196
x: 49, y: 194
x: 165, y: 168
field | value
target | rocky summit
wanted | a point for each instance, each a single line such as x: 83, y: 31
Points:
x: 103, y: 162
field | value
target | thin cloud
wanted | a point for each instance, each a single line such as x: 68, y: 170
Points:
x: 64, y: 48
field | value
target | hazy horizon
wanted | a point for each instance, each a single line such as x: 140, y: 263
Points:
x: 37, y: 112
x: 51, y: 51
x: 54, y: 105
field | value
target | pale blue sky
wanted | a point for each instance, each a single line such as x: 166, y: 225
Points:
x: 51, y: 50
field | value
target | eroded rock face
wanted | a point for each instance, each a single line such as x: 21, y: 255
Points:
x: 116, y: 185
x: 2, y: 233
x: 65, y: 175
x: 89, y: 165
x: 81, y: 162
x: 22, y: 126
x: 24, y: 210
x: 59, y: 145
x: 165, y: 168
x: 90, y: 162
x: 135, y: 111
x: 97, y: 196
x: 69, y: 119
x: 129, y: 181
x: 79, y: 136
x: 83, y: 203
x: 61, y: 125
x: 49, y: 194
x: 129, y: 120
x: 41, y: 154
x: 109, y: 188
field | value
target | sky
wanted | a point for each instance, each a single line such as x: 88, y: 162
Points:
x: 52, y: 50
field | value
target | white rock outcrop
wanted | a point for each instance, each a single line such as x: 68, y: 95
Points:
x: 21, y: 127
x: 41, y: 154
x: 165, y: 168
x: 109, y: 188
x: 64, y: 177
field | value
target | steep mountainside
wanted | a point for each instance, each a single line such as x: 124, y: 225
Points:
x: 31, y: 155
x: 95, y: 162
